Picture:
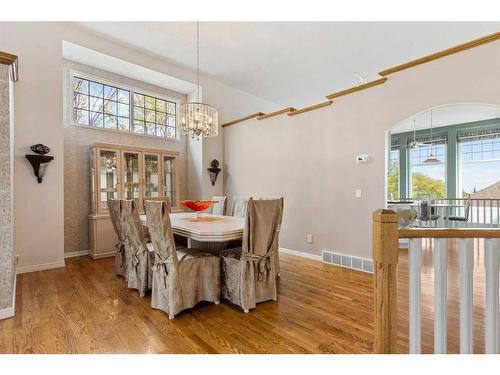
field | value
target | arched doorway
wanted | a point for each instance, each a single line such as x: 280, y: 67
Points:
x: 447, y: 154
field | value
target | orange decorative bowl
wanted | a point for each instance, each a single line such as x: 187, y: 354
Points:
x: 198, y: 205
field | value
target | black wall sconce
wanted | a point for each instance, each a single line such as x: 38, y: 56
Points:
x: 40, y: 160
x: 214, y: 170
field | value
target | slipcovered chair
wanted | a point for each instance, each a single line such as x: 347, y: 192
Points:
x: 220, y: 207
x: 121, y: 258
x: 179, y: 284
x: 239, y: 206
x: 140, y: 261
x: 276, y: 256
x: 248, y: 273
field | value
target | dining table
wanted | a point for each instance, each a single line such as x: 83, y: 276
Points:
x: 447, y: 207
x: 205, y: 229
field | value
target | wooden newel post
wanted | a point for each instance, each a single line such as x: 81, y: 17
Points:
x: 385, y: 261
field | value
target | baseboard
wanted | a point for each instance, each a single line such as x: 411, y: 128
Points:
x: 300, y: 254
x: 102, y: 255
x: 9, y: 312
x: 40, y: 267
x: 73, y: 254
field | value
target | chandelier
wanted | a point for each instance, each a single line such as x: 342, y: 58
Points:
x: 197, y: 118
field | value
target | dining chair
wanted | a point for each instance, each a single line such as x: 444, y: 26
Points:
x: 158, y: 199
x: 248, y: 272
x: 239, y: 206
x: 426, y: 214
x: 276, y: 255
x: 141, y: 255
x: 121, y: 258
x: 220, y: 207
x: 178, y: 284
x: 461, y: 219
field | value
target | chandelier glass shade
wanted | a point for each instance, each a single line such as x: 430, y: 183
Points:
x: 199, y: 119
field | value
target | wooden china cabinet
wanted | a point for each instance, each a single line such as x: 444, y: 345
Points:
x: 126, y: 172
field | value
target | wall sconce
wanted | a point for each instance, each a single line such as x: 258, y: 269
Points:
x: 40, y: 161
x: 214, y: 170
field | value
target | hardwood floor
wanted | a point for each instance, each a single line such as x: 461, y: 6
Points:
x: 86, y: 308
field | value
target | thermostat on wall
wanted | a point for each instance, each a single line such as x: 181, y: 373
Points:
x: 362, y: 159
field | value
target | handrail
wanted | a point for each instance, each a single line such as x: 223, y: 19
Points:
x: 11, y: 60
x: 386, y: 235
x: 448, y: 233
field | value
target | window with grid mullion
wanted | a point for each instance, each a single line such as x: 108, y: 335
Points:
x: 106, y: 106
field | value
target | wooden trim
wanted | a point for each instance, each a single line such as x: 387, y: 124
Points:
x: 364, y: 86
x: 385, y: 262
x: 132, y: 148
x: 449, y: 233
x: 276, y: 113
x: 253, y: 115
x: 311, y: 108
x: 11, y: 60
x: 450, y: 51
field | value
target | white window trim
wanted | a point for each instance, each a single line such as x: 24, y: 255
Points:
x: 132, y: 90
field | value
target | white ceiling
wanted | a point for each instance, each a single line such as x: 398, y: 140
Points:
x: 448, y: 115
x: 291, y: 63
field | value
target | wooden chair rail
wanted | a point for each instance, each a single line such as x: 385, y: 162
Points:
x: 243, y: 119
x: 292, y: 111
x: 357, y: 88
x: 276, y: 113
x: 449, y: 233
x: 450, y: 51
x: 310, y: 108
x: 11, y: 60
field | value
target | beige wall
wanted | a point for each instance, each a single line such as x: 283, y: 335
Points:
x: 39, y: 119
x: 6, y: 190
x: 310, y: 158
x: 77, y: 140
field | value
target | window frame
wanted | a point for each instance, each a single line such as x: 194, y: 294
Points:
x: 409, y: 169
x: 131, y: 89
x: 461, y: 162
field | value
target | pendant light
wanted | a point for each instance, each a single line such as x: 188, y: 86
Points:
x: 197, y: 118
x: 431, y: 158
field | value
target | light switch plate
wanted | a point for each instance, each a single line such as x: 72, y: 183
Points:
x: 358, y: 193
x: 309, y: 238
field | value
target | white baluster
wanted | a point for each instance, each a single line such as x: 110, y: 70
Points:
x: 466, y: 261
x: 491, y: 263
x: 440, y: 254
x: 415, y: 266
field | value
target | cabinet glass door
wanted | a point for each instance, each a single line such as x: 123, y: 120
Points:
x: 151, y: 175
x: 131, y: 176
x: 108, y: 177
x: 169, y: 185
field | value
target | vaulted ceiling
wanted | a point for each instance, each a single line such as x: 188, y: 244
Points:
x: 291, y: 63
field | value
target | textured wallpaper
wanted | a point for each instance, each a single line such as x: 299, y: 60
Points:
x: 77, y: 140
x: 6, y: 219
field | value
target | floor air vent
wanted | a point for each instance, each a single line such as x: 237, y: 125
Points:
x: 347, y: 261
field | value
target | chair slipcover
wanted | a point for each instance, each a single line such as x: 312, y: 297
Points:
x: 276, y: 255
x: 220, y: 207
x: 178, y: 284
x: 121, y: 258
x: 239, y: 206
x: 248, y: 273
x: 139, y: 265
